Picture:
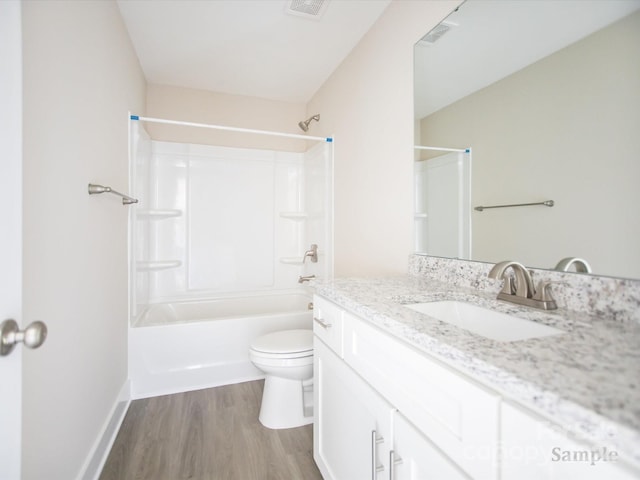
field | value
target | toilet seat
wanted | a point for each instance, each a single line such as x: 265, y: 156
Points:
x: 283, y: 345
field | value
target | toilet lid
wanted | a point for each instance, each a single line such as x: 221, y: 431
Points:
x: 286, y: 341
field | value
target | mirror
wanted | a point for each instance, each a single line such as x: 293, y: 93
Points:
x: 546, y: 95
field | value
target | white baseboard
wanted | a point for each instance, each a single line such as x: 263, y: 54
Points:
x: 102, y: 446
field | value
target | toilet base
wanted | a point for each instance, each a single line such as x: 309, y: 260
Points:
x: 283, y: 403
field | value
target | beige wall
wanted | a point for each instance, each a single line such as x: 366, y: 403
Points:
x: 80, y: 79
x: 367, y: 104
x: 565, y: 128
x: 201, y: 106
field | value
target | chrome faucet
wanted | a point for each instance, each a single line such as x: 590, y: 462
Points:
x: 581, y: 265
x: 522, y: 291
x: 302, y: 279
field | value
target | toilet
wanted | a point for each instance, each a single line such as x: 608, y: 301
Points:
x: 286, y: 358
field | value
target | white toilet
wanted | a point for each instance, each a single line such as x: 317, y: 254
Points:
x: 286, y: 358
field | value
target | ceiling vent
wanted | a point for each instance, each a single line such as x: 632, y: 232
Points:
x: 306, y: 8
x: 437, y: 33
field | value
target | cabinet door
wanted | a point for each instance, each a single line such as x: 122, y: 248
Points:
x: 535, y: 449
x: 347, y: 416
x: 416, y: 458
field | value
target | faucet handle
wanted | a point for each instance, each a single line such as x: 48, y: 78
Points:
x: 542, y: 292
x: 312, y: 253
x: 508, y: 287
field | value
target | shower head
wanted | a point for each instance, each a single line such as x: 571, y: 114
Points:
x: 304, y: 125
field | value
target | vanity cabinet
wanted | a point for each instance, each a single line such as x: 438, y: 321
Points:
x: 533, y: 448
x: 359, y: 435
x: 437, y: 424
x: 384, y: 410
x: 458, y: 416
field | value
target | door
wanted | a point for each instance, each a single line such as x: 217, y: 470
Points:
x: 352, y: 425
x: 11, y: 227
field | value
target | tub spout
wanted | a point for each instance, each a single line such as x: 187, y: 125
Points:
x: 302, y: 279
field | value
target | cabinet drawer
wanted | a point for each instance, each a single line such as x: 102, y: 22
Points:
x: 327, y: 324
x: 457, y: 415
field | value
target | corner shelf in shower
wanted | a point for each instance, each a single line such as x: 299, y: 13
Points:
x: 294, y: 215
x: 158, y: 214
x: 157, y: 265
x: 291, y: 260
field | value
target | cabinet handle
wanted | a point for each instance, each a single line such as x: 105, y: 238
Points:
x: 322, y: 323
x: 375, y: 468
x: 393, y: 461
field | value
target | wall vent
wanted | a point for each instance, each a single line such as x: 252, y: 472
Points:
x: 437, y: 33
x: 306, y: 8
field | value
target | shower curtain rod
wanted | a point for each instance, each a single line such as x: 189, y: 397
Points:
x: 230, y: 129
x: 442, y: 149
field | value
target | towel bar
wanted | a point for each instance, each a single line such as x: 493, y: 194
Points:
x: 126, y: 199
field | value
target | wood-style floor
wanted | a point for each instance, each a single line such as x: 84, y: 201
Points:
x: 211, y: 434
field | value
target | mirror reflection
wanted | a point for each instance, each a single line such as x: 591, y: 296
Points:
x: 540, y: 102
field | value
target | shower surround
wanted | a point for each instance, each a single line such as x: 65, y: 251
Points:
x: 219, y: 226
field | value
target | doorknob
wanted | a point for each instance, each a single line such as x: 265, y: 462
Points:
x: 33, y: 336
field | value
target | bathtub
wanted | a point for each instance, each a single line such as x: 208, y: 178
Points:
x: 182, y: 346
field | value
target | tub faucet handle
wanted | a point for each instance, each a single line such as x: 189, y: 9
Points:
x: 312, y: 253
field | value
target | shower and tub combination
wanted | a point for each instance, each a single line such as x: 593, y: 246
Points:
x: 220, y: 248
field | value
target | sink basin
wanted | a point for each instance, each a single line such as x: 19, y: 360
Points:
x: 484, y: 322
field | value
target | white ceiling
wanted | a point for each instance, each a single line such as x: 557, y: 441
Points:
x: 245, y: 47
x: 495, y: 38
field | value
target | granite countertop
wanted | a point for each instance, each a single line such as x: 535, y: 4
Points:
x: 586, y: 380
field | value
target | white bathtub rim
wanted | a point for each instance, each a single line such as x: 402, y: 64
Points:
x: 172, y: 316
x: 196, y: 296
x: 164, y: 314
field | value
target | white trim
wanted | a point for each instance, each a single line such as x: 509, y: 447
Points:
x: 99, y: 452
x: 11, y: 193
